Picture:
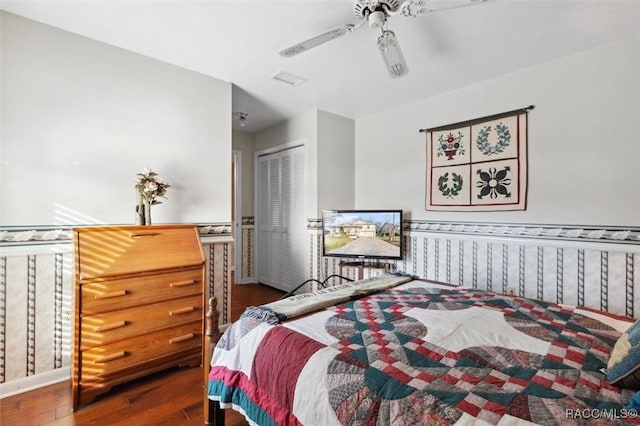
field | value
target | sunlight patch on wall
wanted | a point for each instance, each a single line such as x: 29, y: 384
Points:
x: 65, y: 215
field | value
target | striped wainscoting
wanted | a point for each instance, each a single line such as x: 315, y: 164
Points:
x: 36, y: 300
x: 217, y: 245
x: 595, y: 267
x: 248, y: 250
x: 36, y: 308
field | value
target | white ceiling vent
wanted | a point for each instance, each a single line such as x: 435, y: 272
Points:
x: 288, y: 78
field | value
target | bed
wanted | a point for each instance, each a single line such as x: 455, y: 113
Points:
x: 397, y: 351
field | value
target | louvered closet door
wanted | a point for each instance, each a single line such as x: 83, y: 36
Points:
x: 268, y: 183
x: 293, y: 218
x: 281, y: 219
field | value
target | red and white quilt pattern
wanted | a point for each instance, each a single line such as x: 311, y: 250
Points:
x: 419, y: 354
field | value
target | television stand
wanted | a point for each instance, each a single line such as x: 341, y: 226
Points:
x: 361, y: 266
x: 356, y: 263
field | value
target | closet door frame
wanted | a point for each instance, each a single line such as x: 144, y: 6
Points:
x: 256, y: 162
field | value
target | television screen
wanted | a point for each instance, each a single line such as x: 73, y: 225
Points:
x: 362, y: 234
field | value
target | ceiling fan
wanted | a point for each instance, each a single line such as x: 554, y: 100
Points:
x: 376, y: 13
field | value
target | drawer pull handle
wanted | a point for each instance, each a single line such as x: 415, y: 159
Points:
x: 108, y: 327
x: 112, y: 294
x: 144, y: 234
x: 182, y: 310
x: 111, y: 357
x: 182, y: 338
x: 182, y: 283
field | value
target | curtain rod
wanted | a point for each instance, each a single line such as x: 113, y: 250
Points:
x: 478, y: 120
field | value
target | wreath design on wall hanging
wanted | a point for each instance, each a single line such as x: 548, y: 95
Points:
x: 443, y: 185
x: 504, y: 139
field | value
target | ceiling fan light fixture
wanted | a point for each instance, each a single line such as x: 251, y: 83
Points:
x: 243, y: 120
x: 377, y: 13
x: 392, y: 54
x: 377, y: 19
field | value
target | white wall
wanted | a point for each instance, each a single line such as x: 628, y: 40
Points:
x: 245, y: 142
x: 583, y: 145
x: 336, y: 162
x: 330, y: 156
x: 80, y: 118
x: 300, y: 129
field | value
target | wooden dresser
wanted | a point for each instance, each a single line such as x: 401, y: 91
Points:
x: 138, y: 304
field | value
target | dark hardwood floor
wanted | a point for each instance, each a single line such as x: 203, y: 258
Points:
x: 171, y: 397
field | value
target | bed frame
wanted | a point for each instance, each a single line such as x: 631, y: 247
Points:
x: 213, y: 414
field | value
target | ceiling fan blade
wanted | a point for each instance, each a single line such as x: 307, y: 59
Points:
x: 392, y: 54
x: 317, y: 40
x: 414, y: 8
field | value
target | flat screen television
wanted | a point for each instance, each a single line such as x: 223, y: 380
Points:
x: 362, y: 234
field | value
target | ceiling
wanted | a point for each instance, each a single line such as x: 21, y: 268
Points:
x: 239, y: 40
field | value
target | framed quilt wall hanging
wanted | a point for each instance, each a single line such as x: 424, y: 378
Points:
x: 478, y: 165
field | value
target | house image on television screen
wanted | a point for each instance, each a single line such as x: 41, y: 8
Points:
x: 362, y: 234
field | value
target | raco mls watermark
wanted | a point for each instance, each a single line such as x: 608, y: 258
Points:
x: 601, y: 414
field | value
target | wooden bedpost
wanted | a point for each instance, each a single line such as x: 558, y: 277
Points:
x: 213, y: 414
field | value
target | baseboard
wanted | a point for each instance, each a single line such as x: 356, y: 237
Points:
x: 249, y: 280
x: 36, y: 381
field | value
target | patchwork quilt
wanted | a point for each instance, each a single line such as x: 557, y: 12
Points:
x: 421, y: 354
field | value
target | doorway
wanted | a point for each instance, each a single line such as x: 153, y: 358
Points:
x: 236, y: 215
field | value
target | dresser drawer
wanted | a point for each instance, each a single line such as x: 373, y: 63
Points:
x: 108, y: 295
x: 110, y: 251
x: 113, y: 357
x: 104, y: 328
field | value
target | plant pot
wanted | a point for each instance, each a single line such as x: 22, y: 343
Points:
x: 450, y: 153
x: 147, y: 213
x: 140, y: 214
